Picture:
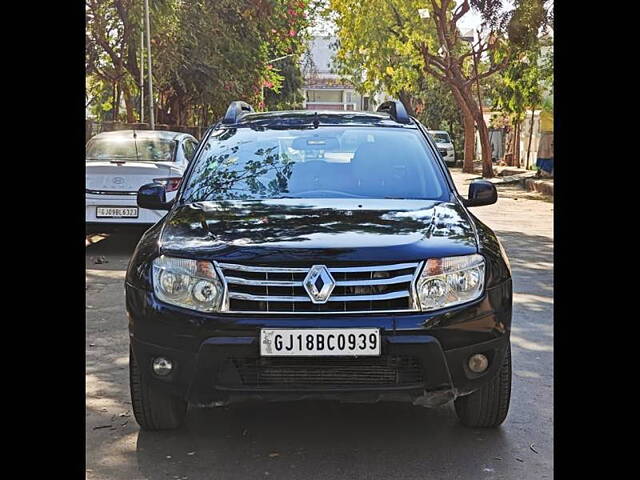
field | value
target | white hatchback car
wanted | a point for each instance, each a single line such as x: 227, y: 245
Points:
x: 445, y: 146
x: 119, y: 163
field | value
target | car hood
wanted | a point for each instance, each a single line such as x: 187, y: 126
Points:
x: 318, y: 230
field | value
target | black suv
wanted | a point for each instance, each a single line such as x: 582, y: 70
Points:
x: 318, y: 255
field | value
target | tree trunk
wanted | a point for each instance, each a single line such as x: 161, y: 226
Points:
x: 516, y: 145
x: 160, y: 109
x: 469, y: 143
x: 530, y: 135
x: 469, y: 134
x: 129, y: 104
x: 117, y: 110
x: 507, y: 146
x: 485, y: 143
x: 476, y: 111
x: 114, y: 110
x: 512, y: 144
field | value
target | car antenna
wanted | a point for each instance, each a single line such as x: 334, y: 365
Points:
x: 316, y: 122
x: 135, y: 143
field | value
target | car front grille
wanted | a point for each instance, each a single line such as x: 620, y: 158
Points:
x: 443, y: 152
x: 327, y: 372
x: 261, y: 289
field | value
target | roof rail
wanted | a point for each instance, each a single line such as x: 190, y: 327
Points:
x: 235, y: 111
x: 396, y: 109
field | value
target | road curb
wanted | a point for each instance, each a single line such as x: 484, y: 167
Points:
x: 520, y: 177
x: 540, y: 186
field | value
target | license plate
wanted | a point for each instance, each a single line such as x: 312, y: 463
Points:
x: 320, y: 342
x: 117, y: 212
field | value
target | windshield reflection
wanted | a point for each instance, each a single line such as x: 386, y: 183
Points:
x: 331, y: 162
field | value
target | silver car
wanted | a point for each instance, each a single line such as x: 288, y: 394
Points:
x: 119, y: 163
x: 444, y: 145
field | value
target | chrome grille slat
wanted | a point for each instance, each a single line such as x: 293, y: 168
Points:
x: 373, y: 268
x: 247, y: 268
x: 268, y: 298
x: 263, y: 283
x: 339, y: 283
x: 334, y: 298
x: 376, y: 281
x: 281, y: 290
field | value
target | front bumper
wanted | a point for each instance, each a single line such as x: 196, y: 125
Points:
x: 445, y: 373
x: 201, y: 346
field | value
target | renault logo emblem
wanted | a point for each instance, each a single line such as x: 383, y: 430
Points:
x: 319, y: 284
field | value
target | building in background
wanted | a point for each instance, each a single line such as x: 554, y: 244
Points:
x: 325, y: 90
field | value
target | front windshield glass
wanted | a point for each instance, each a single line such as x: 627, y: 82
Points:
x: 123, y: 148
x: 327, y: 162
x: 441, y: 137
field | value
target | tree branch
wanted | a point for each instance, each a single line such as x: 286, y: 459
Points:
x: 430, y: 58
x: 459, y: 12
x: 428, y: 61
x: 493, y: 69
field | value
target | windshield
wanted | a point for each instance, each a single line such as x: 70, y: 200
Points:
x: 124, y: 148
x: 328, y: 162
x: 441, y: 137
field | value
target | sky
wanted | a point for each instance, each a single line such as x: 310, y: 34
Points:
x: 471, y: 20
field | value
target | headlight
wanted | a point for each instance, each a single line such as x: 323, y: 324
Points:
x: 187, y: 283
x: 449, y: 281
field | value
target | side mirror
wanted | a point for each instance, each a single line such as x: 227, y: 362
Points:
x: 481, y: 192
x: 154, y: 197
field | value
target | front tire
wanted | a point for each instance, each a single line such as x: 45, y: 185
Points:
x: 153, y: 410
x: 488, y: 406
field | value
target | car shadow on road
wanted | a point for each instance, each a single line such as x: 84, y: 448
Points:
x: 319, y: 440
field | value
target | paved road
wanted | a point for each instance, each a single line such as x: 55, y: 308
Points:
x: 314, y: 440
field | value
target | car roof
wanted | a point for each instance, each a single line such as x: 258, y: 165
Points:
x: 140, y: 134
x: 324, y: 117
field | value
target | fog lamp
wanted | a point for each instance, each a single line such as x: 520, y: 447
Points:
x: 162, y: 366
x: 478, y: 363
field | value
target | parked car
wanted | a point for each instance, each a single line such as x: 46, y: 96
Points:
x: 445, y: 146
x: 119, y: 163
x: 318, y: 255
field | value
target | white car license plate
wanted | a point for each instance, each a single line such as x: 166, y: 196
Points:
x: 320, y: 342
x: 117, y: 212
